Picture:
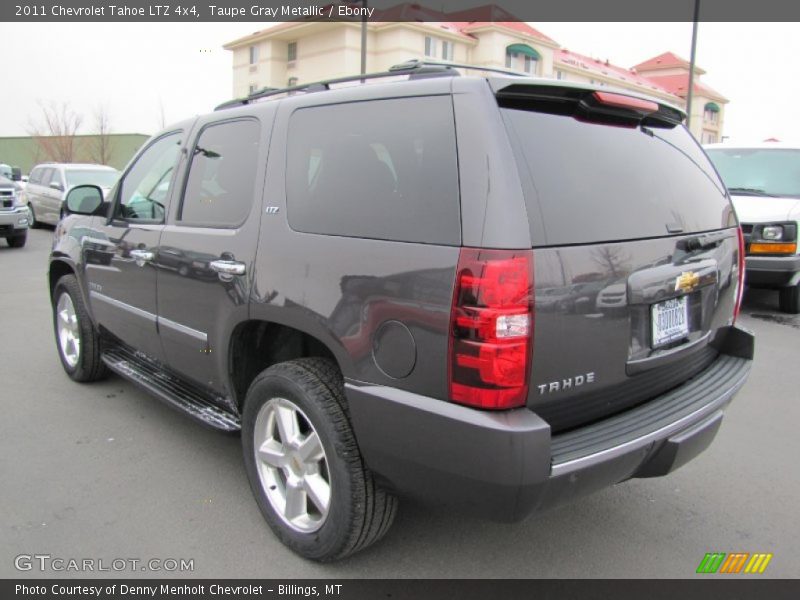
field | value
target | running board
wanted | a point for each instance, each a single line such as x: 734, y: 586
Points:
x: 146, y: 374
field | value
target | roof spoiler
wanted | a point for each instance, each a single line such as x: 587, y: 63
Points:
x: 611, y: 107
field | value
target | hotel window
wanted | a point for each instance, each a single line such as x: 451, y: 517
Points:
x: 561, y: 75
x: 711, y: 112
x: 430, y: 46
x: 447, y: 50
x: 291, y: 82
x: 511, y: 57
x: 252, y: 89
x: 530, y: 64
x: 253, y: 55
x: 291, y: 51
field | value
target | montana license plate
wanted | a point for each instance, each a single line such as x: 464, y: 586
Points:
x: 670, y: 321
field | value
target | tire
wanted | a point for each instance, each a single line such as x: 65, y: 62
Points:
x: 71, y: 324
x: 34, y: 223
x: 358, y: 512
x: 18, y: 240
x: 789, y: 299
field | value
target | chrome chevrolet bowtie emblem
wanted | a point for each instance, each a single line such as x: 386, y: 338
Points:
x: 687, y: 281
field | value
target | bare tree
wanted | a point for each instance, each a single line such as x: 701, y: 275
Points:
x: 613, y: 260
x: 54, y: 134
x: 102, y: 145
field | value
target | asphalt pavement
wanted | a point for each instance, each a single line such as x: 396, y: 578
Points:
x: 105, y: 472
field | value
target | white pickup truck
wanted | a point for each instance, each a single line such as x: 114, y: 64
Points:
x: 764, y: 183
x: 14, y: 216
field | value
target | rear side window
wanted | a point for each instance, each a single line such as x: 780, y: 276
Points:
x: 222, y: 175
x: 382, y: 169
x: 590, y: 182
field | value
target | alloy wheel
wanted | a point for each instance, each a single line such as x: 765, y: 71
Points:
x: 292, y: 465
x: 69, y: 337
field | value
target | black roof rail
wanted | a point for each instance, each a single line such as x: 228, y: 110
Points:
x: 419, y: 64
x: 414, y: 69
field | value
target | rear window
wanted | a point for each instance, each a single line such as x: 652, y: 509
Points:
x: 104, y: 178
x: 770, y: 171
x: 382, y: 169
x: 588, y: 182
x: 222, y: 175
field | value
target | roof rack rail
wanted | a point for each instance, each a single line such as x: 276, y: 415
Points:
x: 415, y: 69
x: 415, y: 63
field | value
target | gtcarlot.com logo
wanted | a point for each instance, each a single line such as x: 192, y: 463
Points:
x: 47, y: 562
x: 735, y: 562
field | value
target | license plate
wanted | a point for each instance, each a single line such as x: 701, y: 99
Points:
x: 670, y: 321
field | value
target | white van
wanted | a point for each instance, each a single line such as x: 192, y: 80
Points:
x: 49, y: 183
x: 764, y: 183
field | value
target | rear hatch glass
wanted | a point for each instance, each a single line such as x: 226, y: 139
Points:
x: 636, y: 260
x: 595, y: 182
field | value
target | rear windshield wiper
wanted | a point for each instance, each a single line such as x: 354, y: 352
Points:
x: 750, y: 191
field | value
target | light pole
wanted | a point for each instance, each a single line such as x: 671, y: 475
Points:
x: 364, y: 38
x: 691, y: 64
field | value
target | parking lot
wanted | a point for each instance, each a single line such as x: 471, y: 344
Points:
x: 104, y: 471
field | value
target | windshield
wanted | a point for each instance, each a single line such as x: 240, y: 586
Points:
x: 100, y: 177
x: 759, y: 171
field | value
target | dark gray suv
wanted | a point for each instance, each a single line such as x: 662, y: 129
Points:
x: 492, y: 292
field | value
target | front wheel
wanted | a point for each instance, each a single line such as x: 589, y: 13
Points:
x: 304, y: 466
x: 34, y: 223
x: 76, y: 339
x: 18, y: 240
x: 789, y: 299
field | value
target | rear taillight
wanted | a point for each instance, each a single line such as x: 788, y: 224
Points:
x: 491, y: 328
x: 740, y: 288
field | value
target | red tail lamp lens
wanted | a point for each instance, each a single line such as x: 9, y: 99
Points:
x: 491, y: 328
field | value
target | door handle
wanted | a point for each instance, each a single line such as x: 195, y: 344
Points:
x: 227, y: 267
x: 142, y: 256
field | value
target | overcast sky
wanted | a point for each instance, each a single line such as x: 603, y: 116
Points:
x: 136, y: 69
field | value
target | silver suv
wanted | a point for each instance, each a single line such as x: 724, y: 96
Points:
x: 49, y: 183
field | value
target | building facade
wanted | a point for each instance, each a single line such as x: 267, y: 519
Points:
x: 294, y: 53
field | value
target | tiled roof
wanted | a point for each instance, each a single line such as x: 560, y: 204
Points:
x: 679, y: 85
x: 667, y: 60
x: 594, y: 66
x: 463, y: 21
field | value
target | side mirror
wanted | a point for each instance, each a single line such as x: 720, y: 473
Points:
x: 16, y: 174
x: 57, y: 186
x: 85, y: 200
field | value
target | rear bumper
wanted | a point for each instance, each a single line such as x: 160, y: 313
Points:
x: 772, y: 271
x: 506, y: 465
